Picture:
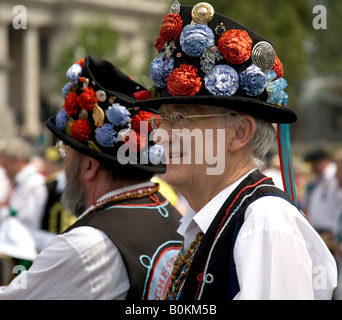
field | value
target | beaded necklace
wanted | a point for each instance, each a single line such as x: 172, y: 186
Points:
x: 181, y: 268
x: 125, y: 195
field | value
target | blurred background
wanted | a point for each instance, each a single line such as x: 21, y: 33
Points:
x: 35, y: 54
x: 41, y: 39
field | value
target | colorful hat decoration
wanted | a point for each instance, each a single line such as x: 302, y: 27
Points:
x: 99, y: 117
x: 207, y: 58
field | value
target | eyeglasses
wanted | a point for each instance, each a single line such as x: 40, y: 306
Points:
x: 156, y: 120
x: 61, y: 148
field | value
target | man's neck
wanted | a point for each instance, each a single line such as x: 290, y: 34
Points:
x: 201, y: 193
x: 104, y: 186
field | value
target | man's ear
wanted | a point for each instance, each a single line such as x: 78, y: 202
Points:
x: 91, y: 168
x: 244, y: 132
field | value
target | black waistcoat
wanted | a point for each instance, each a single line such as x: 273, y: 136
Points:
x: 144, y: 231
x: 217, y: 280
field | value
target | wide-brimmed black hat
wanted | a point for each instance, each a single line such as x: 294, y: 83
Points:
x: 99, y: 117
x: 206, y: 58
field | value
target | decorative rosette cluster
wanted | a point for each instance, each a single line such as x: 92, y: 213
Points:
x: 218, y: 61
x: 92, y: 117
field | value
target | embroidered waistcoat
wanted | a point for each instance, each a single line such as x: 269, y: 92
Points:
x: 212, y: 274
x: 144, y: 231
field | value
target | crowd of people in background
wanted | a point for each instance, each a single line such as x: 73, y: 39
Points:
x: 31, y: 212
x: 318, y: 177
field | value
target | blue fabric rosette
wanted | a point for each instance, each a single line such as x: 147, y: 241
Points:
x: 66, y: 89
x: 253, y: 80
x: 194, y: 39
x: 118, y: 115
x: 153, y: 155
x: 275, y: 89
x: 106, y: 135
x: 223, y: 80
x: 74, y: 72
x: 61, y: 119
x: 160, y: 70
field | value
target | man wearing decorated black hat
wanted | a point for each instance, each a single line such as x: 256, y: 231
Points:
x: 124, y: 242
x: 221, y: 83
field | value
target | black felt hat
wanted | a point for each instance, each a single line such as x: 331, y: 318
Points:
x: 99, y: 117
x: 209, y: 59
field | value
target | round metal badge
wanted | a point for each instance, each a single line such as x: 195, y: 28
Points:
x: 263, y: 56
x: 202, y: 13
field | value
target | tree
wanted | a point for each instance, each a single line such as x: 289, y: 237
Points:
x: 325, y: 45
x: 95, y: 38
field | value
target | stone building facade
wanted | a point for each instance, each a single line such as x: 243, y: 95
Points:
x: 32, y: 33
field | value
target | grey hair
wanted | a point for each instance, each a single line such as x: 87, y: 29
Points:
x: 262, y: 139
x: 17, y: 148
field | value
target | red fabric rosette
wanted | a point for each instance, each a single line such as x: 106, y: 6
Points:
x: 80, y: 130
x: 171, y: 27
x: 71, y: 104
x: 170, y: 30
x: 135, y: 141
x: 159, y: 44
x: 235, y: 46
x: 87, y: 99
x: 184, y: 81
x: 278, y: 67
x: 141, y: 116
x: 81, y: 62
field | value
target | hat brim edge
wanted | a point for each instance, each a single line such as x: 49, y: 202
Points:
x: 50, y: 123
x: 257, y: 108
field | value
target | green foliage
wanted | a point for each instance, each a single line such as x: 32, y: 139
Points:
x: 96, y: 38
x: 325, y: 45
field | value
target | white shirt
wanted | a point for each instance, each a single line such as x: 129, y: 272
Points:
x: 325, y: 202
x: 28, y: 199
x: 80, y: 264
x: 278, y: 255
